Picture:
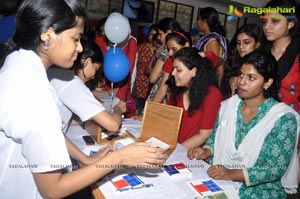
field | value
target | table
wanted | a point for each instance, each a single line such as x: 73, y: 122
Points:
x: 164, y: 186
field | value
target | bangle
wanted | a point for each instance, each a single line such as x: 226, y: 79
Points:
x: 163, y: 57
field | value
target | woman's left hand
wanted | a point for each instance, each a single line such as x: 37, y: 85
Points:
x: 218, y: 172
x: 100, y: 154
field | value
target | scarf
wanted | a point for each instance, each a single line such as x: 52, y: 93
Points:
x: 286, y: 61
x: 247, y: 153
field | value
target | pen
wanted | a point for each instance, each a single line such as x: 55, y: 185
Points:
x: 138, y: 187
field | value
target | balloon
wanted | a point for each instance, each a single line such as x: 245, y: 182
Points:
x: 146, y: 31
x: 116, y: 65
x: 117, y: 28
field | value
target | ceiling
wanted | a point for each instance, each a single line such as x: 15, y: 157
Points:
x: 8, y: 3
x: 253, y: 3
x: 240, y: 3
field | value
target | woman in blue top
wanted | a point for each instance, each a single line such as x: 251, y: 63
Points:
x: 255, y: 136
x: 214, y: 36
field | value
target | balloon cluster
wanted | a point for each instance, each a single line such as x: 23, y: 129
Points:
x: 116, y: 64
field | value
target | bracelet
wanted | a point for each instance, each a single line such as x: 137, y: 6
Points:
x: 163, y: 57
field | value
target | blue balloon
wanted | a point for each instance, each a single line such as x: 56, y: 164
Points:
x: 146, y: 31
x: 116, y: 65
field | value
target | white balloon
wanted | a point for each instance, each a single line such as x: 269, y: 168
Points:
x: 117, y: 27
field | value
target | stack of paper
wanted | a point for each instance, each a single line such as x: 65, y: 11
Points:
x: 154, y: 142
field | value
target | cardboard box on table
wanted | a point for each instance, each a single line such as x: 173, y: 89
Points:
x: 160, y: 121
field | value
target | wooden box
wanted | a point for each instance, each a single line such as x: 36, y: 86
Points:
x: 162, y: 122
x: 159, y: 120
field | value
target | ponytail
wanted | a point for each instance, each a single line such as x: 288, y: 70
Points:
x: 219, y: 29
x: 5, y: 50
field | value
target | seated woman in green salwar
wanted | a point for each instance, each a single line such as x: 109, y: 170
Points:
x: 255, y: 136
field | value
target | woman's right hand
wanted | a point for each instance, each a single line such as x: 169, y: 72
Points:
x: 137, y: 117
x: 141, y: 154
x: 120, y: 107
x: 198, y: 153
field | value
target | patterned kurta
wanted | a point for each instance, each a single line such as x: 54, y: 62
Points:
x: 145, y: 56
x: 264, y: 177
x: 155, y: 88
x: 162, y: 54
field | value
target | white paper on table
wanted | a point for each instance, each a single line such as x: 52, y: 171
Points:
x: 162, y: 187
x: 75, y: 134
x: 132, y: 126
x: 199, y: 171
x: 230, y: 191
x: 154, y: 142
x: 109, y: 103
x: 87, y: 150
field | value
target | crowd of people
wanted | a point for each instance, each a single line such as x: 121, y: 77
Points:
x: 240, y: 100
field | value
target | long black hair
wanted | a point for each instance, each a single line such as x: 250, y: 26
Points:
x: 180, y: 36
x: 90, y: 50
x: 290, y: 16
x: 199, y: 85
x: 252, y: 30
x: 211, y: 16
x: 233, y: 62
x: 4, y: 51
x: 292, y: 50
x: 35, y: 16
x: 166, y: 24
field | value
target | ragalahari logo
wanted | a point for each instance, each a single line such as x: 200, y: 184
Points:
x: 233, y: 13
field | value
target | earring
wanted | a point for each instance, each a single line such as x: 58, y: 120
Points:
x: 46, y: 44
x: 266, y: 88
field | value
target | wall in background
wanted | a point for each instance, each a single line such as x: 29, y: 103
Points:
x: 100, y: 8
